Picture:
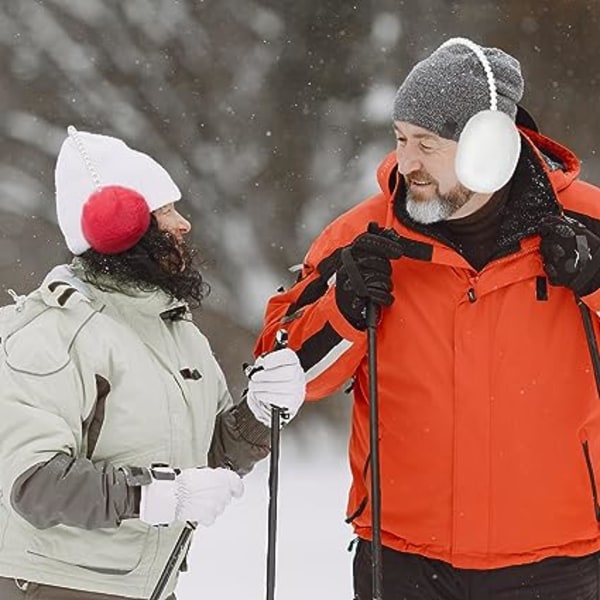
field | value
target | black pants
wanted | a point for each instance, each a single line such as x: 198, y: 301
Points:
x: 413, y: 577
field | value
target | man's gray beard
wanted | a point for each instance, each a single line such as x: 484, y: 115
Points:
x: 439, y: 208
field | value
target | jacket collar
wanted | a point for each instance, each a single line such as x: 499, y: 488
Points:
x: 151, y: 303
x: 544, y: 168
x: 64, y: 273
x: 561, y: 164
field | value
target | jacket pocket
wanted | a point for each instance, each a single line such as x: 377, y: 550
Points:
x: 112, y: 551
x: 590, y: 468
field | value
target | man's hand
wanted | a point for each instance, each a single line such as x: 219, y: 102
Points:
x: 571, y: 254
x: 366, y: 273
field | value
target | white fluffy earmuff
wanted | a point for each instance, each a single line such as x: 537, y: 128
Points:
x: 490, y: 144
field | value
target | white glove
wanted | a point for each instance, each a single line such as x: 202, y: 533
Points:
x: 199, y: 495
x: 276, y: 379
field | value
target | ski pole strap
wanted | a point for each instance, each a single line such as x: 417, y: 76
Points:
x: 358, y: 283
x: 586, y: 264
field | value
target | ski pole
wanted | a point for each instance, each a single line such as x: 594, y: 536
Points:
x: 376, y: 566
x: 173, y: 559
x: 276, y: 415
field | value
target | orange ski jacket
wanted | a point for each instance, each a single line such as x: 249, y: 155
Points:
x: 489, y: 415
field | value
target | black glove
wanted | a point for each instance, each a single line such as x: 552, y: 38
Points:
x: 365, y: 273
x: 571, y: 254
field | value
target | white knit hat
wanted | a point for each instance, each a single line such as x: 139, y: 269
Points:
x: 89, y: 165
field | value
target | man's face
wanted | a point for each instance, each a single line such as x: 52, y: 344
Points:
x: 170, y: 221
x: 427, y: 163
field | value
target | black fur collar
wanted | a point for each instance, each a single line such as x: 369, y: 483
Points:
x: 531, y: 198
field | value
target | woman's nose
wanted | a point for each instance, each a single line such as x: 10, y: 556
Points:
x: 184, y: 225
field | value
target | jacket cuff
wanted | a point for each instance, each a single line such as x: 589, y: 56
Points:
x: 339, y: 321
x: 136, y: 476
x: 249, y: 427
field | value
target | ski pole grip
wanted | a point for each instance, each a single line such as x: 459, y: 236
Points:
x: 281, y: 339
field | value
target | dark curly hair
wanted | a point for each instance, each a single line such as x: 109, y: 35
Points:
x: 158, y: 260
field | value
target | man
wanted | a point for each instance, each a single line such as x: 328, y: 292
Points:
x: 489, y: 415
x: 117, y: 428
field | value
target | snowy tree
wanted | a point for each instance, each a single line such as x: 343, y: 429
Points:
x: 271, y: 116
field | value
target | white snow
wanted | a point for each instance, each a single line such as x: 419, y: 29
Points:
x: 228, y: 560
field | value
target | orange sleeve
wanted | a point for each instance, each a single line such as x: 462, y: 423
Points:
x: 329, y: 348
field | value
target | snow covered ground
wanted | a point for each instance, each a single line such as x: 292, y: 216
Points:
x: 228, y: 560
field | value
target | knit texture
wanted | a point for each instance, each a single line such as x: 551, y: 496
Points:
x: 442, y: 92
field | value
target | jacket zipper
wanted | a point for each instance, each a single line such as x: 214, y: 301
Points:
x: 509, y: 257
x: 365, y: 500
x: 588, y: 462
x: 471, y: 293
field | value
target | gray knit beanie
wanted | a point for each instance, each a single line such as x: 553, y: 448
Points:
x: 443, y: 91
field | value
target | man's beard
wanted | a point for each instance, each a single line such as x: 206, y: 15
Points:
x: 438, y: 207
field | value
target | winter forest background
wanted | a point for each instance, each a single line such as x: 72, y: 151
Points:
x: 271, y: 116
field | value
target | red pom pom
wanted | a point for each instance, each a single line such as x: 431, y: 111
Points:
x: 114, y: 219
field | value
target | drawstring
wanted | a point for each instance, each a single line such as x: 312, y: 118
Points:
x: 18, y: 300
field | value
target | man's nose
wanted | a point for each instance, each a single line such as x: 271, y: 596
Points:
x: 408, y: 161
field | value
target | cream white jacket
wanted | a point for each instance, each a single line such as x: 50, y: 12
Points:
x: 95, y: 386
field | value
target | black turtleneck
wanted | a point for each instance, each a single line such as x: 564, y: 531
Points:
x: 511, y: 215
x: 475, y: 236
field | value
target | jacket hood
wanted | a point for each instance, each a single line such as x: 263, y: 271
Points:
x: 65, y: 274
